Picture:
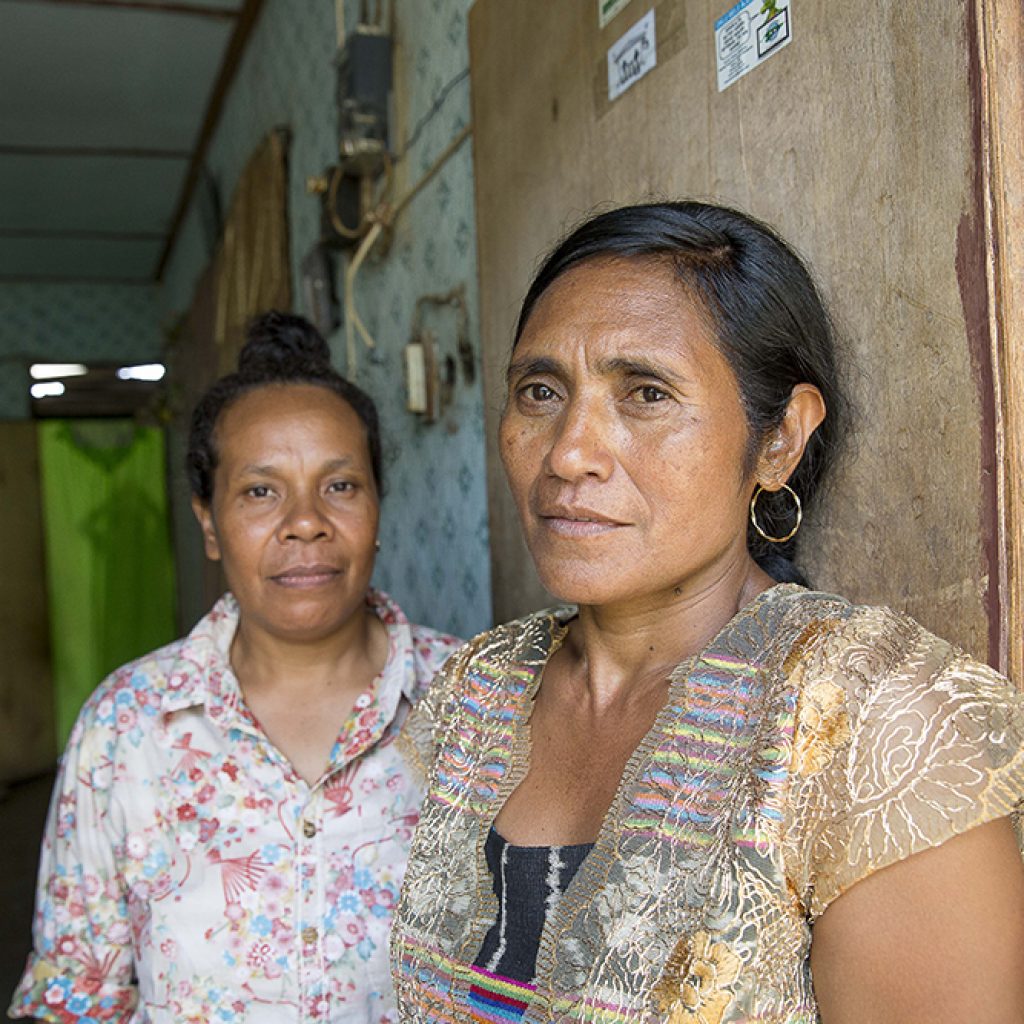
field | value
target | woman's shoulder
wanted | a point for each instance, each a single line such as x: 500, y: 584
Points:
x: 430, y: 648
x: 125, y: 707
x: 527, y: 641
x: 490, y: 671
x: 433, y: 644
x: 865, y: 644
x: 131, y: 699
x: 901, y: 740
x: 885, y: 682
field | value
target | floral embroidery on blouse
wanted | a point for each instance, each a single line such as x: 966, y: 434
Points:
x: 810, y: 744
x: 189, y: 875
x: 696, y: 985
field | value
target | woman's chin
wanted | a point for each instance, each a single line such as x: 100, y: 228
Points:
x: 582, y: 588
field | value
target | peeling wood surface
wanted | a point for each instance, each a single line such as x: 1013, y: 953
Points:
x: 857, y: 145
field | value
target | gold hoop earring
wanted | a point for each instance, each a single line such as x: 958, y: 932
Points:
x: 757, y: 526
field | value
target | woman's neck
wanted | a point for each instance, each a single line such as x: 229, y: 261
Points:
x: 617, y: 646
x: 262, y: 660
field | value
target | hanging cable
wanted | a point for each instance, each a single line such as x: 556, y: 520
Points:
x: 382, y: 217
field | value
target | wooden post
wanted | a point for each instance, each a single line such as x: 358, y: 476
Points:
x: 1000, y: 30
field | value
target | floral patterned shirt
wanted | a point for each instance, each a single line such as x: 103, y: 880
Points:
x: 811, y: 743
x: 189, y: 874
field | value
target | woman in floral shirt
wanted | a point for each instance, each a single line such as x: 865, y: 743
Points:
x: 230, y: 827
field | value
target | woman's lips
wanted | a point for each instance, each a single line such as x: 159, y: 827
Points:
x: 306, y: 577
x: 578, y: 522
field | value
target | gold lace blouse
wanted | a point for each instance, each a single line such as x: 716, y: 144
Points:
x: 811, y: 743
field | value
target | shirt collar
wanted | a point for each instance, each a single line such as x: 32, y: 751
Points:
x: 202, y: 675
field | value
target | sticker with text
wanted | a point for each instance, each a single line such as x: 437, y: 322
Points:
x: 632, y: 56
x: 607, y: 9
x: 748, y: 34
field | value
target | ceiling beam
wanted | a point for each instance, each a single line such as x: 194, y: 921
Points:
x: 87, y: 235
x: 118, y: 152
x: 246, y: 22
x: 192, y: 10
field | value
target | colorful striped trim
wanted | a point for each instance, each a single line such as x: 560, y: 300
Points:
x: 704, y: 746
x: 489, y: 707
x: 496, y: 999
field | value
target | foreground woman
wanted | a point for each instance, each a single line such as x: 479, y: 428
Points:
x: 702, y: 796
x: 231, y: 822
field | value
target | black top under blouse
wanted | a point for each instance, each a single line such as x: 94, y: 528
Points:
x: 529, y: 882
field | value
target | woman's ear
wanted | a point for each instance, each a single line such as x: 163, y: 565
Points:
x: 785, y: 446
x: 204, y: 514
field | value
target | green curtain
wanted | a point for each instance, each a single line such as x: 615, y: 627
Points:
x: 109, y: 565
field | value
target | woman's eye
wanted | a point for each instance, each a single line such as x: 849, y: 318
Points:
x: 537, y: 392
x: 340, y: 486
x: 258, y: 491
x: 649, y: 393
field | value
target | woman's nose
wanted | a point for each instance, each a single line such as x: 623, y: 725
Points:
x: 304, y: 519
x: 581, y: 444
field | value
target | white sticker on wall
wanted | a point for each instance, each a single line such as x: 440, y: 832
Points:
x: 749, y: 34
x: 632, y: 56
x: 607, y: 9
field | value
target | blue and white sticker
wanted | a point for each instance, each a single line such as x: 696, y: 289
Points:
x: 632, y: 56
x: 748, y: 34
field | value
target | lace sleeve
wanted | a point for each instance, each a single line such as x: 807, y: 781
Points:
x: 423, y: 731
x: 901, y: 742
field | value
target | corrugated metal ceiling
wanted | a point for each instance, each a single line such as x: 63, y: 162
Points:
x: 102, y: 106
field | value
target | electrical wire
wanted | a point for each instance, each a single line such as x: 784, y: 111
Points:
x: 353, y: 321
x: 383, y: 216
x: 434, y: 108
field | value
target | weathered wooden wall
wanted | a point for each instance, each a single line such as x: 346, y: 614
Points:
x: 858, y: 141
x: 27, y: 730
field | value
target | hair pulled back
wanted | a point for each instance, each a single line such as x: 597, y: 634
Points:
x: 769, y: 321
x: 280, y: 349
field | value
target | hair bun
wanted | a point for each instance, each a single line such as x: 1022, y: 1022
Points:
x: 281, y: 343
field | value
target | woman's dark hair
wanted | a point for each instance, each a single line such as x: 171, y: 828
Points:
x: 279, y: 349
x: 769, y: 320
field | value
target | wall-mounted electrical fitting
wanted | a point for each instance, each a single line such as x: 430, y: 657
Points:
x: 421, y: 389
x: 430, y: 373
x: 351, y: 189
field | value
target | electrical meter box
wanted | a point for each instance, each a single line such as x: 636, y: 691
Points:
x: 364, y: 87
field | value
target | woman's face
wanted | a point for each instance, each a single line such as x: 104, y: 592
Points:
x: 624, y: 439
x: 294, y: 511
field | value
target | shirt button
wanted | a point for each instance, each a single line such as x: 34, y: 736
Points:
x: 309, y: 935
x: 308, y: 829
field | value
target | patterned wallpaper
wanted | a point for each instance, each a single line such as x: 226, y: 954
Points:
x: 42, y: 322
x: 434, y: 556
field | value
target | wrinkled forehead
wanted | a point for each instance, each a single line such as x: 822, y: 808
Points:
x: 612, y: 302
x: 658, y: 285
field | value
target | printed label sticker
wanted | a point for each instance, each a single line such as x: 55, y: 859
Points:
x: 748, y: 34
x: 632, y: 56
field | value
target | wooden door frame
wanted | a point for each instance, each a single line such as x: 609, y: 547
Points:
x: 999, y: 31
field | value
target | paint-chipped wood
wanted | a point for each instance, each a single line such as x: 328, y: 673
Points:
x: 855, y: 141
